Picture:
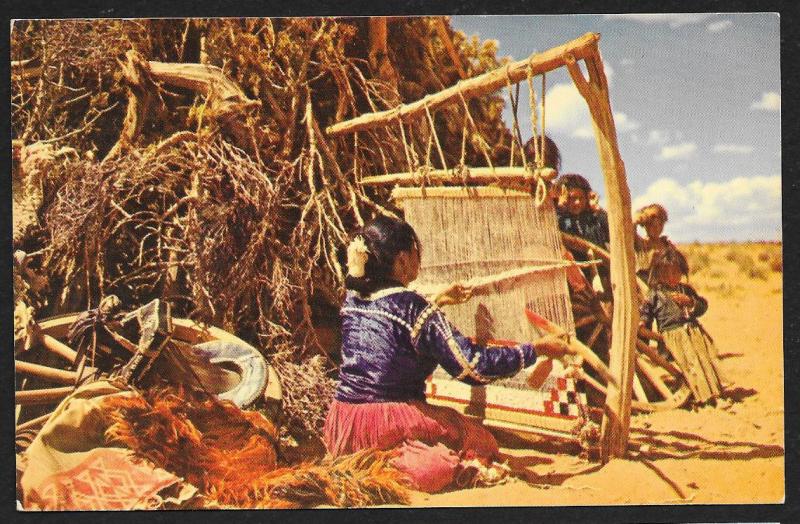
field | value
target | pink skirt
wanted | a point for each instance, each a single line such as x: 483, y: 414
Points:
x: 430, y: 440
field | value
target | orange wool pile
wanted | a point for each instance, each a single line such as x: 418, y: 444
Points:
x: 213, y: 445
x: 230, y: 455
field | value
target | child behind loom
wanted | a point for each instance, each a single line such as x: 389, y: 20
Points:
x: 652, y: 219
x: 675, y: 307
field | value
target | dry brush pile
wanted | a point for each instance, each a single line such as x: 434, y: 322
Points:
x: 186, y: 159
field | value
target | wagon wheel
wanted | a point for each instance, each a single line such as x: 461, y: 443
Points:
x: 46, y: 373
x: 658, y: 382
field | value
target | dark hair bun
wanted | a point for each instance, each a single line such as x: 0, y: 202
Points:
x: 384, y: 237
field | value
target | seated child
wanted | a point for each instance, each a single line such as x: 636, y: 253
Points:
x: 652, y: 218
x: 576, y: 215
x: 579, y: 215
x: 675, y: 307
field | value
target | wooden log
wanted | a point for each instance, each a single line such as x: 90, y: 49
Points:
x: 42, y: 396
x: 444, y: 36
x: 579, y: 347
x: 652, y: 375
x: 473, y: 87
x: 52, y: 374
x: 34, y: 422
x: 616, y: 420
x: 479, y: 175
x: 658, y: 359
x: 59, y: 348
x: 225, y: 100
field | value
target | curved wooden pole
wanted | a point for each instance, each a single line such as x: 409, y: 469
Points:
x: 42, y: 396
x: 59, y: 348
x: 477, y: 86
x: 52, y: 374
x: 616, y: 419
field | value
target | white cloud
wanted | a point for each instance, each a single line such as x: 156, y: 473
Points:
x: 566, y: 108
x: 624, y: 123
x: 635, y: 138
x: 716, y: 27
x: 626, y: 62
x: 673, y: 19
x: 567, y: 112
x: 739, y: 209
x: 583, y: 132
x: 658, y: 136
x: 609, y: 71
x: 736, y: 149
x: 770, y: 101
x: 678, y: 151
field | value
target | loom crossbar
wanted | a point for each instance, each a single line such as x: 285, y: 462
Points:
x: 481, y: 85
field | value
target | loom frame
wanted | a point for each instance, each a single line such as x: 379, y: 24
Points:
x: 594, y: 90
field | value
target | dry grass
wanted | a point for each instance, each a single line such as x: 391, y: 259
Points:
x: 722, y: 268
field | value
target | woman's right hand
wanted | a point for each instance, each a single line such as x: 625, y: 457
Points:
x: 552, y: 346
x: 456, y: 293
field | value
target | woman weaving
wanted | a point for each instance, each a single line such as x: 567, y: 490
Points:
x: 392, y: 340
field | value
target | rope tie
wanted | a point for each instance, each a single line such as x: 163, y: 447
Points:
x: 477, y: 135
x: 462, y: 171
x: 435, y: 137
x: 516, y: 136
x: 540, y: 174
x: 405, y: 144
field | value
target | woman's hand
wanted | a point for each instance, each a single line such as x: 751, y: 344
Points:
x: 455, y: 294
x: 552, y: 346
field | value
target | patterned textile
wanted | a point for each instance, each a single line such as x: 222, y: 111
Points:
x: 393, y: 340
x: 69, y: 466
x: 559, y: 404
x: 106, y: 479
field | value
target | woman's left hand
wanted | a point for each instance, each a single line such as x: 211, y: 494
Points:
x: 457, y: 293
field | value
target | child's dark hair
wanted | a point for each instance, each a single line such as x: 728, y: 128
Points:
x: 668, y: 258
x: 384, y: 237
x: 552, y: 156
x: 573, y: 181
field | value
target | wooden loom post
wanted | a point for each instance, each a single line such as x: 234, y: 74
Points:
x: 617, y: 413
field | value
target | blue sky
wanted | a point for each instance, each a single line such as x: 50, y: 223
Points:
x: 697, y: 102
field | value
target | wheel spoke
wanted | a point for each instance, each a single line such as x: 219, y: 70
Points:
x: 595, y: 333
x: 652, y: 376
x: 638, y: 390
x: 52, y: 374
x: 585, y: 321
x: 42, y: 396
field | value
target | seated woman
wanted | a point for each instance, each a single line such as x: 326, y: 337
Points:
x: 392, y: 340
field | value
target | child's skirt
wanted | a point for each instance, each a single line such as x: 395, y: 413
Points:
x: 432, y: 442
x: 694, y: 352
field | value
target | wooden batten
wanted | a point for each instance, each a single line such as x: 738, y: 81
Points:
x: 479, y: 175
x: 403, y: 193
x: 480, y: 85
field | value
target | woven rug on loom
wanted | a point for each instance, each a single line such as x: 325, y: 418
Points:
x: 230, y: 455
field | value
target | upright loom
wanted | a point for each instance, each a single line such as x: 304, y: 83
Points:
x: 499, y: 241
x: 505, y: 243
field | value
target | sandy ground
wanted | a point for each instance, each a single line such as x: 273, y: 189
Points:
x: 745, y: 317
